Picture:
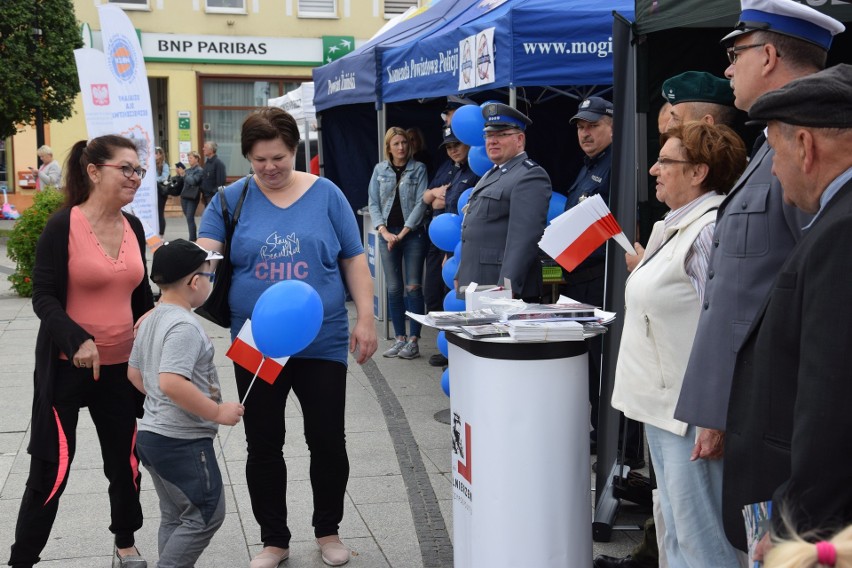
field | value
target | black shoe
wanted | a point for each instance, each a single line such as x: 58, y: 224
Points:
x: 438, y: 360
x: 632, y: 463
x: 611, y: 562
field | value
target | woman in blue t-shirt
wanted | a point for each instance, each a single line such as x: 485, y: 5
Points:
x: 295, y: 225
x: 397, y: 211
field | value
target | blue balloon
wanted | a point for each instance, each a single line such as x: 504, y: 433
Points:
x: 443, y: 347
x: 448, y: 271
x: 445, y: 382
x: 457, y: 251
x: 451, y: 303
x: 463, y: 199
x: 467, y: 124
x: 445, y: 231
x: 286, y: 318
x: 478, y: 160
x: 556, y: 207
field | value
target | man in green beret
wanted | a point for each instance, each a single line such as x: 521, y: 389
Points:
x: 698, y: 95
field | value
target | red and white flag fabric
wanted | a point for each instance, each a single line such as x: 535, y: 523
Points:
x: 245, y: 353
x: 574, y: 235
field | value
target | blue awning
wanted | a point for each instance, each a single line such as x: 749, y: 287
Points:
x: 535, y: 43
x: 353, y: 79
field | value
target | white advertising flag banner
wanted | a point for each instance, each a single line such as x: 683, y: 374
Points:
x: 114, y: 87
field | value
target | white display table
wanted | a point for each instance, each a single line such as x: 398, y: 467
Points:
x: 521, y: 472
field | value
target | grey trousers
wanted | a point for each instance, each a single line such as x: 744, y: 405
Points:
x: 192, y: 497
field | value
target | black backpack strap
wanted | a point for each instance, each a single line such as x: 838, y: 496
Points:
x: 231, y: 224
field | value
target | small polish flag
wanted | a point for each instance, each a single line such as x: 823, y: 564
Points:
x: 244, y: 353
x: 574, y: 235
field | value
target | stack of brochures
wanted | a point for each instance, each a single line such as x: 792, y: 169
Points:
x: 485, y: 331
x: 530, y: 330
x: 553, y: 312
x: 475, y: 317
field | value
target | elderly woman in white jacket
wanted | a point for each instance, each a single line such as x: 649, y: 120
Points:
x: 698, y: 163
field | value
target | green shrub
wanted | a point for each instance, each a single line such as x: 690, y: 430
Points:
x: 22, y: 242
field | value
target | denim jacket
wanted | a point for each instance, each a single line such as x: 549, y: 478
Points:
x: 411, y: 188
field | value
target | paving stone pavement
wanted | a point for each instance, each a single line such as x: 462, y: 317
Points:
x: 398, y: 508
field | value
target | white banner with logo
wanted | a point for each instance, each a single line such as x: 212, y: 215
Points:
x: 114, y: 87
x: 520, y: 459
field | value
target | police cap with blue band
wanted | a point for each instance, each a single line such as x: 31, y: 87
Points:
x: 785, y: 17
x: 503, y: 117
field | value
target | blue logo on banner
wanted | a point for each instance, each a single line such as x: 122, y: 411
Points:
x: 122, y: 63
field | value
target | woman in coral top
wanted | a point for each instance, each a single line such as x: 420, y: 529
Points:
x: 90, y: 284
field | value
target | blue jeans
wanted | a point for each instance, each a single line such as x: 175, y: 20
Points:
x: 189, y: 207
x: 691, y: 501
x: 192, y: 497
x: 407, y: 295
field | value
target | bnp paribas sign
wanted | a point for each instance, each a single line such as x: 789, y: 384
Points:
x: 244, y: 50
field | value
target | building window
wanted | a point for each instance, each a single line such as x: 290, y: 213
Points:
x: 225, y: 102
x: 131, y: 4
x: 317, y: 8
x: 396, y: 7
x: 225, y: 6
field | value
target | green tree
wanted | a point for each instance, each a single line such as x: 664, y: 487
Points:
x: 37, y: 69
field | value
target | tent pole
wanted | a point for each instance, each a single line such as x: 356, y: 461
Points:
x: 513, y: 97
x: 307, y: 145
x: 319, y: 143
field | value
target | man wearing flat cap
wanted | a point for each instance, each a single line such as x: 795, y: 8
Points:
x: 507, y: 210
x: 775, y: 42
x: 789, y: 425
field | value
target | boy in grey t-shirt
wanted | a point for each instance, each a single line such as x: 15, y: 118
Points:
x: 172, y: 363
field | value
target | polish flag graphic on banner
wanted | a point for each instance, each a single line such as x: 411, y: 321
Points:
x: 244, y: 353
x: 574, y: 235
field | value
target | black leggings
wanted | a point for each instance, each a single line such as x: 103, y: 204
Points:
x: 320, y: 386
x: 112, y: 405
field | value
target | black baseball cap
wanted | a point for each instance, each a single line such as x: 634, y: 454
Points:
x: 176, y: 259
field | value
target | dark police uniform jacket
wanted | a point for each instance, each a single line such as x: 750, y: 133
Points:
x: 789, y: 426
x: 505, y: 219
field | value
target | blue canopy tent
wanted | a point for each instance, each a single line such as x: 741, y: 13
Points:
x: 536, y: 43
x: 553, y: 47
x: 346, y: 94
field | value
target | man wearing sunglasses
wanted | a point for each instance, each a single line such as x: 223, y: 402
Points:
x: 775, y: 42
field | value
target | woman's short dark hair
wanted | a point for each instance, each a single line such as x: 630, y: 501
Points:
x: 269, y: 123
x: 98, y: 150
x: 716, y: 145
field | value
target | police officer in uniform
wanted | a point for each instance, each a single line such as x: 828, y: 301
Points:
x: 507, y: 211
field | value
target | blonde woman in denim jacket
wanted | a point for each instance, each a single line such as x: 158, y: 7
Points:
x: 396, y: 192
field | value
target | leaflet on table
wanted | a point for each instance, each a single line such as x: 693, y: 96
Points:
x: 543, y: 312
x: 487, y: 330
x: 474, y: 317
x: 605, y: 318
